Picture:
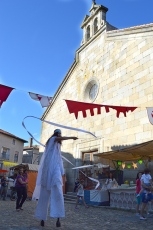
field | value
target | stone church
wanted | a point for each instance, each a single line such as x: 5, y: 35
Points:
x: 111, y: 67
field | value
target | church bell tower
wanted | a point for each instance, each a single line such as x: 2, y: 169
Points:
x: 93, y: 22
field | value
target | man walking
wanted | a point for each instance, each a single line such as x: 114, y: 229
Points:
x: 4, y: 184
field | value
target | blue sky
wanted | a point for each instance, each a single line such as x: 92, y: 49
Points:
x: 38, y: 39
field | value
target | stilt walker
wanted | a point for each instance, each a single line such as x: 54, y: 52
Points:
x: 49, y: 182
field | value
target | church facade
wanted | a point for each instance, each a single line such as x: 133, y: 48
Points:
x: 112, y: 67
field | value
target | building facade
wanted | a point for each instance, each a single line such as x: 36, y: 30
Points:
x: 11, y: 149
x: 112, y: 67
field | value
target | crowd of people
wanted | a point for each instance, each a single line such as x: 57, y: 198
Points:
x: 48, y: 190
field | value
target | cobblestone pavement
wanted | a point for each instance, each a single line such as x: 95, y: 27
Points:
x: 93, y: 218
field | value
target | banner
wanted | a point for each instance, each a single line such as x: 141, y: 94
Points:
x: 6, y: 90
x: 44, y: 100
x: 77, y: 106
x: 4, y: 93
x: 150, y: 114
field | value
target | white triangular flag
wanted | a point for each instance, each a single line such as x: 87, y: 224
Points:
x: 44, y: 100
x: 150, y: 114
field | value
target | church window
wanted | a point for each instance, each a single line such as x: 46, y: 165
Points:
x: 95, y: 25
x: 93, y: 92
x: 88, y: 33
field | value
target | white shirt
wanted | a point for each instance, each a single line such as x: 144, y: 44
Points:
x: 80, y: 190
x: 146, y: 178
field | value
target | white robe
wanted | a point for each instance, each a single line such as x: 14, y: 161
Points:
x: 49, y: 183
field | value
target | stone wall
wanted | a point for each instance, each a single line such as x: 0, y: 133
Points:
x: 121, y: 62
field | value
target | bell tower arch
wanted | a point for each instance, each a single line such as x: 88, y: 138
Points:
x: 94, y: 21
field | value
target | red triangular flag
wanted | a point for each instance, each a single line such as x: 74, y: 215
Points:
x: 76, y: 106
x: 4, y: 93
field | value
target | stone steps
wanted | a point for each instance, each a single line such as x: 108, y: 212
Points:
x: 70, y: 196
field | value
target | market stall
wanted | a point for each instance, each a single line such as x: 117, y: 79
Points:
x: 92, y: 196
x: 3, y: 171
x: 131, y: 158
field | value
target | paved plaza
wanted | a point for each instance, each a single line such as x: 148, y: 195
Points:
x: 93, y: 218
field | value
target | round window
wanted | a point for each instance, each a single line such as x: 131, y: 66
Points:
x: 91, y: 91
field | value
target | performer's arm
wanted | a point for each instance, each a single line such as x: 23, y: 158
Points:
x: 65, y: 138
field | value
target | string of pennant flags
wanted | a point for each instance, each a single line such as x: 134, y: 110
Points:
x: 6, y: 90
x: 75, y: 106
x: 128, y: 164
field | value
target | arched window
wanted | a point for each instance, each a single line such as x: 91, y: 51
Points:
x: 88, y: 33
x: 95, y: 25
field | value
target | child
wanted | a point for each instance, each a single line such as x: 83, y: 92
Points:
x: 146, y: 182
x: 76, y: 184
x: 80, y: 194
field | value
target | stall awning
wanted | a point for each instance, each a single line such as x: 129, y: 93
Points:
x: 3, y: 171
x: 9, y: 163
x: 142, y: 151
x: 30, y: 167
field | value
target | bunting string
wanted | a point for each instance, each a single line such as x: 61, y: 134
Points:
x: 76, y: 106
x: 6, y: 90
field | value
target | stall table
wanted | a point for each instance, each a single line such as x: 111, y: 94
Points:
x: 96, y: 197
x: 124, y: 198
